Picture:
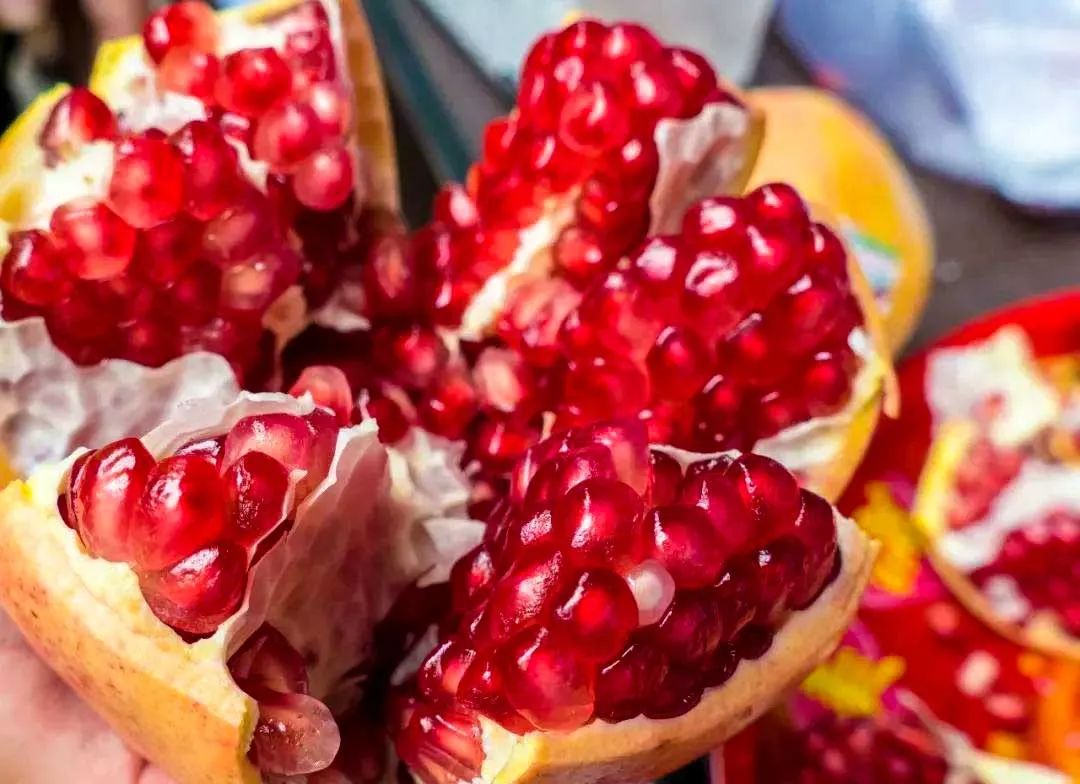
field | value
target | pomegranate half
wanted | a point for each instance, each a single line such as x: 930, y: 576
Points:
x: 186, y: 215
x: 999, y: 495
x: 221, y: 590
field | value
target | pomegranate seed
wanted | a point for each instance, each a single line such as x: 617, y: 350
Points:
x: 189, y: 23
x: 769, y: 491
x: 190, y: 72
x: 579, y: 253
x: 686, y: 543
x: 602, y: 523
x: 211, y: 173
x: 772, y: 264
x: 581, y: 37
x: 195, y: 294
x: 147, y: 183
x: 165, y: 251
x: 252, y: 80
x: 824, y: 249
x: 523, y: 597
x: 331, y: 106
x: 253, y: 284
x: 691, y: 630
x: 325, y: 179
x: 33, y: 271
x: 285, y: 437
x: 454, y: 207
x: 679, y: 364
x: 207, y: 448
x: 825, y: 383
x: 719, y: 496
x: 546, y: 684
x: 296, y: 734
x: 267, y: 660
x: 718, y: 222
x: 593, y: 120
x: 448, y: 407
x: 696, y: 77
x: 104, y: 492
x: 777, y: 205
x: 78, y: 118
x: 627, y: 43
x: 666, y: 476
x: 256, y: 486
x: 714, y: 298
x: 653, y: 590
x: 655, y: 91
x: 598, y: 613
x: 182, y: 509
x: 471, y: 577
x: 623, y: 688
x: 289, y: 132
x: 148, y: 342
x: 442, y: 671
x: 329, y: 388
x: 242, y: 230
x: 200, y: 592
x: 678, y: 693
x: 237, y: 128
x: 95, y: 242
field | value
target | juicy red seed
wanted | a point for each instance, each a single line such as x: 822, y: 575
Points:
x: 296, y: 734
x: 773, y: 263
x: 483, y: 689
x: 556, y: 478
x: 190, y: 72
x: 105, y: 490
x: 696, y: 77
x: 328, y: 387
x: 286, y: 134
x: 256, y: 486
x: 823, y: 248
x: 266, y: 659
x: 687, y: 544
x: 163, y: 252
x: 33, y: 270
x: 331, y: 106
x: 769, y: 491
x: 95, y: 242
x: 195, y: 294
x: 667, y: 475
x: 526, y: 534
x: 147, y: 183
x: 718, y: 222
x: 471, y: 577
x: 714, y: 295
x: 826, y: 383
x: 241, y: 230
x: 182, y: 509
x: 199, y: 593
x: 211, y: 173
x: 524, y: 597
x: 601, y: 523
x: 593, y: 120
x: 753, y: 642
x: 252, y: 80
x: 442, y: 671
x: 624, y: 687
x: 78, y: 118
x: 325, y: 179
x: 777, y: 204
x: 627, y: 43
x: 596, y: 615
x: 207, y: 448
x: 189, y: 23
x: 580, y: 254
x: 719, y: 496
x: 679, y: 364
x: 453, y: 207
x: 148, y: 342
x: 655, y: 91
x: 448, y: 406
x: 691, y: 630
x: 678, y: 693
x: 809, y: 309
x: 441, y: 746
x: 547, y: 684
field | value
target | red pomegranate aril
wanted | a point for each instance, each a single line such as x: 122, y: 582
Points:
x: 77, y: 319
x: 149, y: 342
x: 441, y: 747
x: 483, y: 689
x: 77, y: 118
x: 777, y: 411
x: 624, y: 687
x: 777, y: 205
x: 824, y: 249
x: 603, y: 386
x: 286, y: 438
x: 722, y: 501
x: 200, y: 592
x: 296, y: 734
x: 714, y: 296
x: 211, y: 173
x: 252, y: 285
x: 753, y: 642
x: 627, y: 43
x: 449, y: 405
x: 241, y: 230
x: 163, y: 252
x: 147, y: 182
x: 190, y: 72
x: 774, y: 571
x: 286, y: 134
x: 256, y: 486
x: 439, y: 677
x: 719, y: 408
x: 557, y: 477
x: 547, y: 684
x: 655, y: 92
x: 329, y: 388
x: 471, y: 577
x: 601, y: 523
x: 696, y: 77
x: 207, y: 448
x: 105, y: 490
x: 189, y: 23
x: 183, y: 508
x: 524, y: 597
x: 687, y: 544
x: 806, y: 313
x: 678, y: 692
x: 768, y: 490
x: 718, y: 222
x: 825, y: 383
x: 679, y: 364
x: 195, y: 294
x: 96, y: 243
x: 33, y: 270
x: 454, y: 207
x: 331, y: 106
x: 267, y: 660
x: 325, y: 179
x: 596, y: 615
x: 593, y: 120
x: 772, y: 264
x: 667, y: 475
x: 252, y: 80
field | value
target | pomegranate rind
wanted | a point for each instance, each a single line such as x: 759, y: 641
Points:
x: 373, y: 131
x: 354, y: 545
x: 641, y: 749
x: 21, y: 159
x: 948, y: 450
x: 836, y: 158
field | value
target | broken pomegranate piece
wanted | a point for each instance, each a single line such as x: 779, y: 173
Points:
x: 592, y: 598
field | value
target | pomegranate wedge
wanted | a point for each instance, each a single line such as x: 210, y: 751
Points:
x: 210, y: 593
x: 999, y: 496
x: 203, y: 196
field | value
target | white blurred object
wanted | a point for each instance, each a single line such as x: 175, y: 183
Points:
x: 497, y: 33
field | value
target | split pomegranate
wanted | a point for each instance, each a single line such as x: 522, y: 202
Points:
x: 185, y: 241
x: 190, y: 524
x: 607, y: 588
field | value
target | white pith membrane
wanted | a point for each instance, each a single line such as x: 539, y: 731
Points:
x: 48, y: 404
x: 364, y: 533
x: 1025, y: 405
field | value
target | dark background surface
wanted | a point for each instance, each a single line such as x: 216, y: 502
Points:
x: 989, y: 252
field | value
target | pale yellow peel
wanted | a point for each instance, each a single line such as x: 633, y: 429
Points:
x: 642, y: 749
x: 836, y: 158
x: 948, y: 450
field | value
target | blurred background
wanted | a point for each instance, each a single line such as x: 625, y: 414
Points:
x: 981, y: 98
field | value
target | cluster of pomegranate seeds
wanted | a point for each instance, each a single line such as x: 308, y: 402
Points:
x: 191, y: 523
x: 890, y: 749
x: 980, y: 477
x: 728, y: 333
x: 1041, y: 561
x: 612, y: 584
x: 296, y: 734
